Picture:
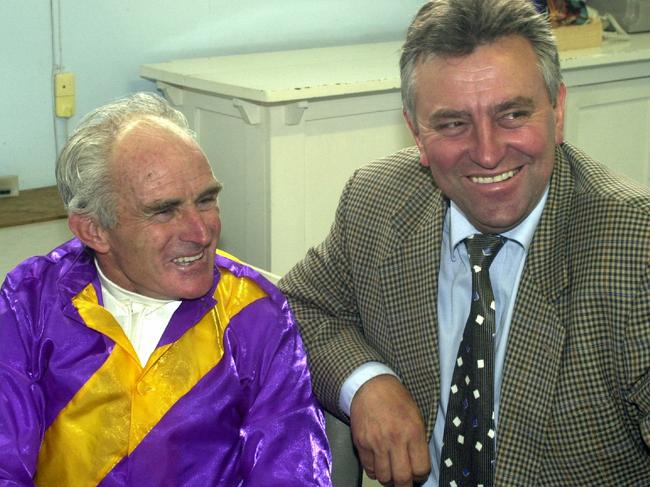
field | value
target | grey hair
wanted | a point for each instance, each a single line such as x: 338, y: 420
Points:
x: 82, y: 174
x: 451, y: 28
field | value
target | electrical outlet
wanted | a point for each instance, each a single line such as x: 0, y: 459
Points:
x: 8, y: 186
x: 64, y: 95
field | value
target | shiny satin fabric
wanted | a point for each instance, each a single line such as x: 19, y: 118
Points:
x: 225, y: 399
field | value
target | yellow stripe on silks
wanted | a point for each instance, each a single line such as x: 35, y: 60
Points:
x: 73, y: 450
x: 120, y: 403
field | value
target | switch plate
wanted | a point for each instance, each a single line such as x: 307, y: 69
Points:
x: 64, y: 94
x: 8, y: 186
x: 64, y: 84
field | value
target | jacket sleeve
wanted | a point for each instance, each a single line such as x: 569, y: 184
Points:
x: 637, y: 361
x: 283, y: 433
x: 322, y: 294
x: 21, y: 399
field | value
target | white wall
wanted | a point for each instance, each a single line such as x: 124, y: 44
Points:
x: 105, y: 41
x: 26, y: 128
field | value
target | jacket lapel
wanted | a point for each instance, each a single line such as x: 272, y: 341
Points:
x: 535, y: 343
x: 409, y: 284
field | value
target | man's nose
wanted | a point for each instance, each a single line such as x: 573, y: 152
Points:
x: 195, y: 228
x: 488, y: 147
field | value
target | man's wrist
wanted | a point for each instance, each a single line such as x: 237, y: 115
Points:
x: 358, y: 378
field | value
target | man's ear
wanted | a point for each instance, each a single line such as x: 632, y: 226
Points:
x: 560, y: 106
x: 87, y: 229
x: 424, y: 160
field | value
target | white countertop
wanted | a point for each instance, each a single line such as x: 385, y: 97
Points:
x: 288, y: 75
x: 301, y: 74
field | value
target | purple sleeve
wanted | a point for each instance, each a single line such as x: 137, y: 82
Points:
x: 284, y: 441
x: 21, y: 399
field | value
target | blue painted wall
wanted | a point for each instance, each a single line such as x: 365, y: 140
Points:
x: 105, y: 41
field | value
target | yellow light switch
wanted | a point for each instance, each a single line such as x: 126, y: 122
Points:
x: 64, y: 94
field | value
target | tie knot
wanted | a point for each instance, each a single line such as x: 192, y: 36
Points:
x: 483, y: 248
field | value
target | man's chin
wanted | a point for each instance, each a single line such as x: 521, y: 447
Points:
x: 185, y: 290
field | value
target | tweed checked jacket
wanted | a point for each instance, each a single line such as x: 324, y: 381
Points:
x: 575, y: 399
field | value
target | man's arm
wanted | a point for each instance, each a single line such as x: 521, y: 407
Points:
x: 21, y: 401
x: 283, y: 433
x: 638, y: 359
x: 387, y: 426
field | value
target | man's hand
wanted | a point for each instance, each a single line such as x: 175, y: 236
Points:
x: 388, y: 431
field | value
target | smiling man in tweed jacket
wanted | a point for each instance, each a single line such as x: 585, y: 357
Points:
x: 382, y: 302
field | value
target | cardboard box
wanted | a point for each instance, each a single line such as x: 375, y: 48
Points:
x: 570, y: 37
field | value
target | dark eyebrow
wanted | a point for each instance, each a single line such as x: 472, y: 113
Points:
x: 166, y: 205
x: 445, y: 113
x: 517, y: 102
x: 213, y: 190
x: 161, y: 206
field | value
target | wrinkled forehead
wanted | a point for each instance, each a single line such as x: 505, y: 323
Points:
x: 149, y: 143
x: 504, y: 63
x: 151, y: 135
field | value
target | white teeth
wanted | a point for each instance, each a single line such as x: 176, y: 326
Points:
x: 494, y: 179
x: 187, y: 260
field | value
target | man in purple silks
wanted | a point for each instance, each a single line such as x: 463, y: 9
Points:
x: 138, y: 354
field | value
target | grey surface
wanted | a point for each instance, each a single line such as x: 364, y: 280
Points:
x: 346, y: 471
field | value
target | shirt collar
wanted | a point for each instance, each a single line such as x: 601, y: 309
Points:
x: 460, y: 228
x: 118, y: 294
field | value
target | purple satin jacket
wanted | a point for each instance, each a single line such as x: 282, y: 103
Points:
x: 224, y: 400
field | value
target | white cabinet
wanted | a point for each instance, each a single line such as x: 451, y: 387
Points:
x: 285, y: 130
x: 611, y: 121
x: 608, y: 104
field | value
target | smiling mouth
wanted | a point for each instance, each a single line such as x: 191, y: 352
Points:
x: 494, y: 179
x: 187, y: 260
